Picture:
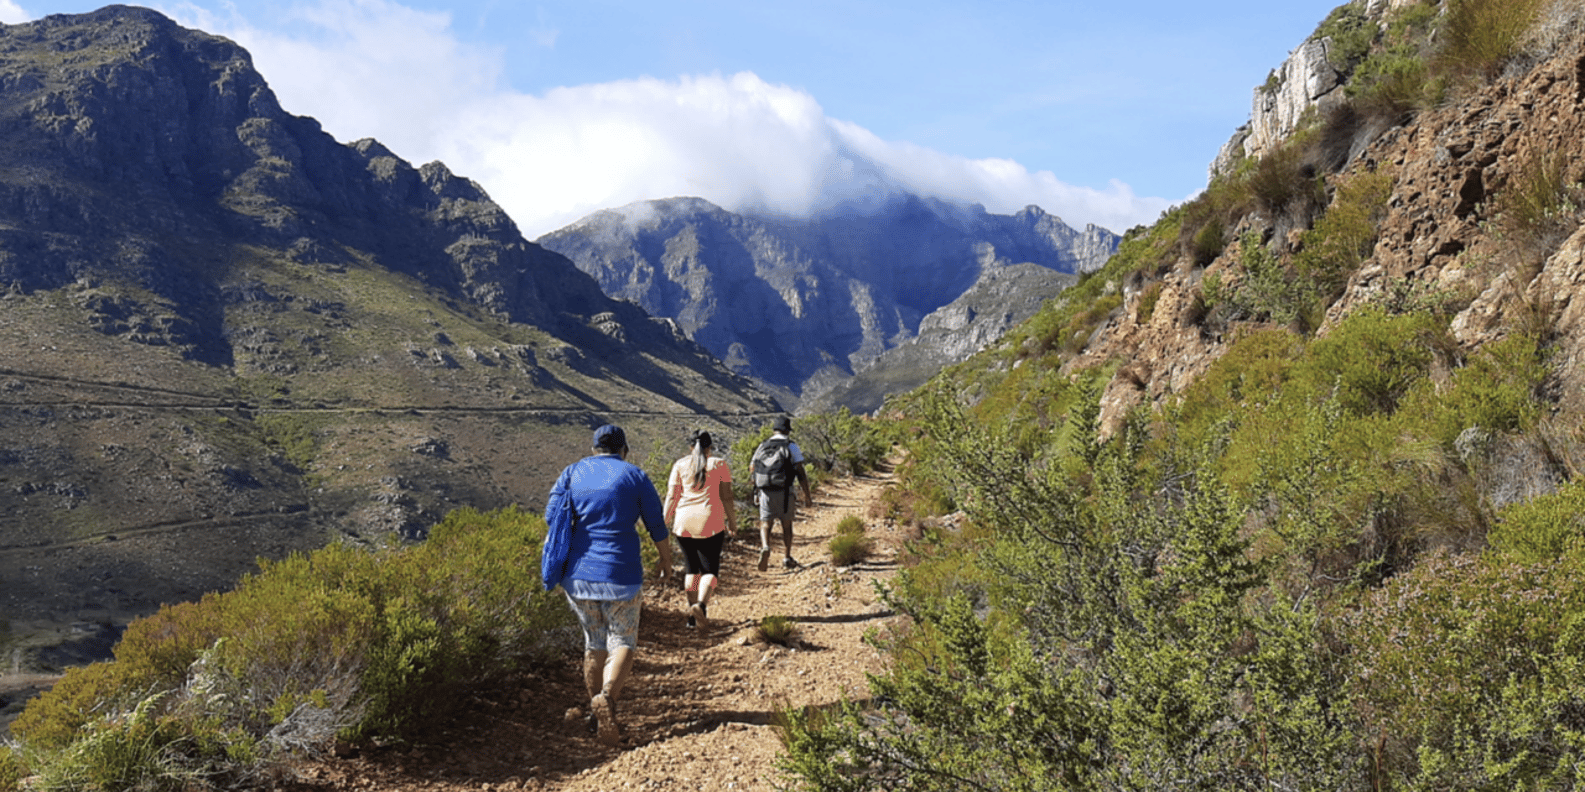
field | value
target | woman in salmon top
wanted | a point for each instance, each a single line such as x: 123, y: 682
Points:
x: 700, y: 510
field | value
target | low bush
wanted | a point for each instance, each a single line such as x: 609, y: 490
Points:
x: 1479, y: 37
x: 849, y: 546
x: 12, y: 769
x: 1079, y: 329
x: 1393, y: 85
x: 1264, y: 289
x: 849, y: 549
x: 776, y: 629
x: 842, y: 443
x: 1283, y: 179
x: 1465, y: 673
x: 1351, y: 32
x: 339, y: 643
x: 1342, y: 238
x: 850, y: 524
x: 1542, y: 529
x: 1147, y: 303
x: 1540, y: 205
x: 1372, y: 359
x: 1497, y: 389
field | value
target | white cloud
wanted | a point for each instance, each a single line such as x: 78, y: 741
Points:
x: 12, y: 14
x: 372, y: 68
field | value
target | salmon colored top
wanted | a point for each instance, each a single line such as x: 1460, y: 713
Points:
x: 698, y: 513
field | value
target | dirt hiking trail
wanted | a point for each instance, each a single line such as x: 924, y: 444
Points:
x: 696, y: 713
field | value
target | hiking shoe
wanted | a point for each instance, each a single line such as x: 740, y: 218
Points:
x: 591, y: 723
x: 691, y: 622
x: 605, y: 712
x: 789, y: 563
x: 764, y: 558
x: 697, y: 616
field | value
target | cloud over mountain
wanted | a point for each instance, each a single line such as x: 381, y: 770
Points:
x: 379, y: 69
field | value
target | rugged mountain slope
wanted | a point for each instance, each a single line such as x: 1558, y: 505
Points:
x: 1482, y: 217
x: 1003, y: 297
x: 804, y: 304
x: 225, y: 335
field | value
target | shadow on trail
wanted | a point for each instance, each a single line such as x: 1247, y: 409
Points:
x: 850, y: 618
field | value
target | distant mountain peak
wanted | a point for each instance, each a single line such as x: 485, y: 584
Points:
x: 803, y: 303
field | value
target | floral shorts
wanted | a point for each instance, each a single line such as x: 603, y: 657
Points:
x: 607, y: 624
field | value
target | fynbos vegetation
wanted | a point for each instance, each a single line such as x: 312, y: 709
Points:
x: 1344, y: 557
x: 340, y: 644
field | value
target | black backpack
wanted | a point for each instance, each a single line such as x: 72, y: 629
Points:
x: 773, y: 464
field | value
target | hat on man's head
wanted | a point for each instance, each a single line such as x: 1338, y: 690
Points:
x: 610, y: 438
x: 782, y: 424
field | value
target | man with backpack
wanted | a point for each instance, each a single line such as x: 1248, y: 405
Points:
x: 776, y: 463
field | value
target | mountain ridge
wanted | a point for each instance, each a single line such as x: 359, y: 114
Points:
x: 225, y: 336
x: 802, y: 304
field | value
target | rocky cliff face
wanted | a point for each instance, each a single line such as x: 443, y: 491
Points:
x: 802, y: 305
x: 225, y: 336
x: 1446, y: 233
x: 1003, y: 297
x: 1308, y: 81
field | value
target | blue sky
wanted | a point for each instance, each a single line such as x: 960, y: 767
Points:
x: 1101, y: 113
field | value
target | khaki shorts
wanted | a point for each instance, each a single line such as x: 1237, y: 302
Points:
x: 776, y: 504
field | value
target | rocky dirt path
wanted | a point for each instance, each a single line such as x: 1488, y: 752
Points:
x: 697, y: 713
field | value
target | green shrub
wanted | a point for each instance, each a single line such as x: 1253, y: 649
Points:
x: 1250, y: 373
x: 1479, y: 37
x: 1497, y: 389
x: 849, y: 549
x: 1101, y: 633
x: 1078, y: 330
x: 339, y: 642
x: 136, y: 750
x: 1372, y: 359
x: 1264, y: 290
x: 1209, y: 242
x: 1298, y: 292
x: 1351, y: 33
x: 1540, y: 204
x: 1281, y: 180
x: 1342, y: 238
x: 1147, y: 303
x: 12, y: 769
x: 1466, y: 674
x: 850, y: 524
x: 842, y: 443
x: 1206, y: 218
x: 295, y: 435
x: 1543, y: 528
x: 776, y: 629
x: 1393, y: 83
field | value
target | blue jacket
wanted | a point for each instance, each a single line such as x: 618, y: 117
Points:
x: 609, y: 496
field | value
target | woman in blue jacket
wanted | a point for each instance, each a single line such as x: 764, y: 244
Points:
x: 605, y: 571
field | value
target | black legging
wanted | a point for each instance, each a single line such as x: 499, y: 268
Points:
x: 702, y: 556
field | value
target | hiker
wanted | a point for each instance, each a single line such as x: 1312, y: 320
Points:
x: 605, y: 568
x: 777, y: 462
x: 701, y: 510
